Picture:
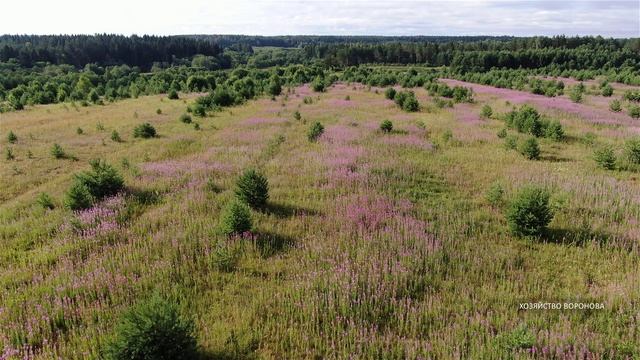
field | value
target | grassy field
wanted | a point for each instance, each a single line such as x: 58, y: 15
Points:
x: 373, y: 245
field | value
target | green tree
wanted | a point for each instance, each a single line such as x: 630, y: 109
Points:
x: 252, y: 187
x: 529, y: 212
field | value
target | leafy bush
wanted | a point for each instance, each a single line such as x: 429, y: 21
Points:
x: 447, y: 135
x: 632, y: 95
x: 519, y: 338
x: 102, y: 180
x: 390, y: 93
x: 144, y: 131
x: 511, y: 142
x: 554, y: 131
x: 235, y: 218
x: 79, y: 131
x: 615, y: 105
x: 274, y: 88
x: 45, y: 201
x: 297, y: 116
x: 634, y: 111
x: 253, y: 188
x: 8, y: 154
x: 576, y: 93
x: 525, y: 120
x: 158, y: 111
x: 605, y: 158
x: 226, y: 257
x: 502, y: 133
x: 495, y: 194
x: 115, y: 136
x: 78, y: 197
x: 529, y: 212
x: 386, y: 126
x: 607, y: 90
x: 57, y: 151
x: 315, y: 131
x: 632, y: 150
x: 486, y: 111
x: 199, y: 110
x: 318, y: 84
x: 530, y: 149
x: 407, y: 101
x: 11, y: 137
x: 173, y: 95
x: 154, y: 330
x: 185, y: 118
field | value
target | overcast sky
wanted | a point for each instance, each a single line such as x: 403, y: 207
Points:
x: 619, y: 18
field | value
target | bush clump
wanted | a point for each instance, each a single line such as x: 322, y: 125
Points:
x: 530, y: 149
x: 253, y: 189
x: 57, y: 151
x: 495, y: 194
x: 502, y: 133
x: 529, y: 212
x: 386, y: 126
x: 12, y: 138
x: 315, y: 131
x: 144, y: 131
x: 155, y: 330
x: 554, y: 131
x: 297, y: 116
x: 634, y: 111
x: 486, y: 111
x: 173, y: 95
x: 185, y: 118
x: 115, y: 136
x: 318, y: 84
x: 605, y: 158
x: 632, y: 151
x: 236, y: 218
x: 78, y: 197
x: 390, y: 93
x: 45, y: 201
x: 407, y: 101
x: 101, y: 181
x: 615, y: 105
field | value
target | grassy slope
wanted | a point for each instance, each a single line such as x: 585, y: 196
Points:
x: 339, y: 258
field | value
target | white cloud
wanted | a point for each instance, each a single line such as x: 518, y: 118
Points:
x: 358, y: 17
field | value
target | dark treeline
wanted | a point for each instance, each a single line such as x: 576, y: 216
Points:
x: 79, y: 50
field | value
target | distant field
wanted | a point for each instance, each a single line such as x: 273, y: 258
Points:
x: 373, y: 245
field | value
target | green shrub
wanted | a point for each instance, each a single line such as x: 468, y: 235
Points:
x: 632, y: 150
x: 185, y: 118
x: 519, y: 338
x: 158, y: 111
x: 530, y: 149
x: 486, y: 111
x: 102, y: 180
x: 576, y: 93
x: 634, y: 111
x: 57, y: 151
x: 318, y: 84
x: 386, y: 126
x: 511, y: 142
x: 447, y: 135
x: 196, y: 126
x: 226, y: 257
x: 495, y: 194
x: 235, y: 218
x: 615, y: 105
x: 554, y: 131
x: 253, y: 188
x: 78, y: 197
x: 144, y: 131
x: 605, y: 158
x: 607, y: 90
x: 297, y: 116
x: 12, y: 138
x: 115, y: 136
x: 173, y: 95
x: 525, y: 120
x: 502, y: 133
x: 199, y: 110
x: 153, y: 329
x: 45, y: 201
x: 390, y: 93
x: 79, y: 131
x: 8, y: 154
x: 315, y: 131
x: 529, y: 212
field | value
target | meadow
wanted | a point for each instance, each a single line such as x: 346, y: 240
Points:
x: 373, y: 244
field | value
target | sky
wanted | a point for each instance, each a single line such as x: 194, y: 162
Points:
x: 617, y: 18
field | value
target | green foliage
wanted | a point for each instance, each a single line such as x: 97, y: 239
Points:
x: 386, y: 126
x: 607, y: 90
x: 185, y: 118
x: 447, y: 135
x: 78, y: 197
x: 554, y: 131
x: 511, y: 142
x: 407, y: 101
x: 45, y: 201
x: 576, y: 93
x: 502, y: 133
x: 486, y: 111
x: 57, y: 151
x: 634, y: 111
x: 102, y: 180
x: 296, y: 115
x: 153, y: 330
x: 12, y: 138
x: 632, y: 150
x: 495, y: 194
x: 632, y: 95
x: 158, y: 111
x: 615, y: 105
x: 79, y: 131
x: 115, y: 136
x: 144, y: 131
x: 530, y: 149
x: 529, y: 212
x: 8, y: 154
x: 225, y: 257
x: 318, y: 84
x: 390, y: 93
x: 315, y: 131
x: 199, y: 110
x: 252, y: 188
x: 173, y: 95
x: 519, y: 338
x: 235, y: 218
x: 605, y: 158
x: 275, y: 87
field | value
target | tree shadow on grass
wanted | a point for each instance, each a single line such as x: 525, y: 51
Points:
x: 283, y: 211
x: 554, y: 158
x: 579, y: 236
x: 270, y: 244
